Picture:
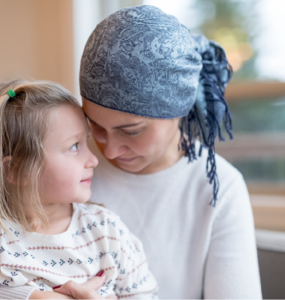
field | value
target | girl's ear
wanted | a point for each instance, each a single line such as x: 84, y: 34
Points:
x: 11, y: 175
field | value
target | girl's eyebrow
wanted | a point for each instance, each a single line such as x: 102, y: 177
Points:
x: 75, y: 136
x: 116, y: 127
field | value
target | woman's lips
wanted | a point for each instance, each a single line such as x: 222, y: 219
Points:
x: 125, y: 160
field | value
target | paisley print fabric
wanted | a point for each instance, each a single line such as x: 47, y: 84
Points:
x: 141, y: 61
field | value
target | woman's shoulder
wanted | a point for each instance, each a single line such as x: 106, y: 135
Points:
x: 231, y: 183
x: 226, y: 172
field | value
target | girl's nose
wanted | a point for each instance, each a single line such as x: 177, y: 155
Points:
x: 92, y: 160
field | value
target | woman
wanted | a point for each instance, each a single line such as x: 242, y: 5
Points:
x: 149, y: 89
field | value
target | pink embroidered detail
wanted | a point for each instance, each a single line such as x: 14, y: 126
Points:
x: 12, y: 242
x: 124, y: 251
x: 108, y: 269
x: 98, y: 213
x: 133, y: 270
x: 21, y: 267
x: 73, y: 248
x: 37, y: 279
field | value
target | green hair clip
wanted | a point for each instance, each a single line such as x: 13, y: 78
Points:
x: 11, y: 93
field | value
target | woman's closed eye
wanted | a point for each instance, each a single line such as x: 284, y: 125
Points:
x: 132, y: 133
x: 74, y: 147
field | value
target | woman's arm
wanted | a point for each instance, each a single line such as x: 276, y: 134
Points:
x: 19, y: 292
x: 231, y: 269
x: 36, y: 294
x: 86, y: 290
x: 28, y: 292
x: 69, y: 290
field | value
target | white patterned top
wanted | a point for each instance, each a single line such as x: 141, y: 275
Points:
x: 95, y: 240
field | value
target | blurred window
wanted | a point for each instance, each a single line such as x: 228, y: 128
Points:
x: 251, y: 32
x: 129, y: 3
x: 258, y: 148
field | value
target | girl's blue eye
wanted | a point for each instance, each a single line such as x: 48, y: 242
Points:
x: 74, y: 147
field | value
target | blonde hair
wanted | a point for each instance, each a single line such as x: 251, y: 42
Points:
x: 24, y: 122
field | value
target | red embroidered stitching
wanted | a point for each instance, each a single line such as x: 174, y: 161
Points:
x: 37, y: 279
x: 98, y: 213
x: 133, y: 270
x: 12, y: 242
x: 75, y: 248
x: 21, y: 267
x: 124, y: 251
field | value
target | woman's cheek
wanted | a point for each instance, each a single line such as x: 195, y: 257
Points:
x: 99, y: 134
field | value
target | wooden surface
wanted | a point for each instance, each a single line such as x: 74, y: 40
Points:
x: 268, y: 211
x: 254, y: 90
x: 248, y: 146
x: 37, y: 41
x: 268, y: 199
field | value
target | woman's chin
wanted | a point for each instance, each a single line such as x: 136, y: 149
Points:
x: 137, y: 168
x: 132, y: 167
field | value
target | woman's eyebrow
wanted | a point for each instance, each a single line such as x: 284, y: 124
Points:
x: 116, y: 127
x: 89, y: 118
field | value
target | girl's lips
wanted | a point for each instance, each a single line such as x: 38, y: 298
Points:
x: 86, y: 181
x: 125, y: 160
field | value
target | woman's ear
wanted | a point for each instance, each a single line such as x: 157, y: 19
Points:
x: 10, y: 173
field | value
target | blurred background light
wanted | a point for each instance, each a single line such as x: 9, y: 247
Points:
x: 251, y: 31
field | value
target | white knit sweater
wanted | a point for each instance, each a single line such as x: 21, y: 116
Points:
x: 194, y: 250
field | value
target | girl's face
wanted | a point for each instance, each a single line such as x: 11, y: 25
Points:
x: 135, y: 144
x: 69, y: 162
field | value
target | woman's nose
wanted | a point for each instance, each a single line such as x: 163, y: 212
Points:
x: 113, y: 147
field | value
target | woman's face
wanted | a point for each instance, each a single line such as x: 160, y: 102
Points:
x: 133, y: 143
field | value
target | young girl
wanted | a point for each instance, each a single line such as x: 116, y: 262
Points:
x: 48, y: 234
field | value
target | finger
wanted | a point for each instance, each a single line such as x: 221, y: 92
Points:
x: 83, y: 291
x: 112, y: 298
x: 77, y: 291
x: 96, y: 282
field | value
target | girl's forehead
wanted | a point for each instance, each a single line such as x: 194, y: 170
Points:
x: 66, y: 118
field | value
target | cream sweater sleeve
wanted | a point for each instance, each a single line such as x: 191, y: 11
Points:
x: 21, y: 292
x: 231, y: 270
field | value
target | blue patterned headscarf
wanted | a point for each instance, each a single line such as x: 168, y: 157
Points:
x: 142, y: 61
